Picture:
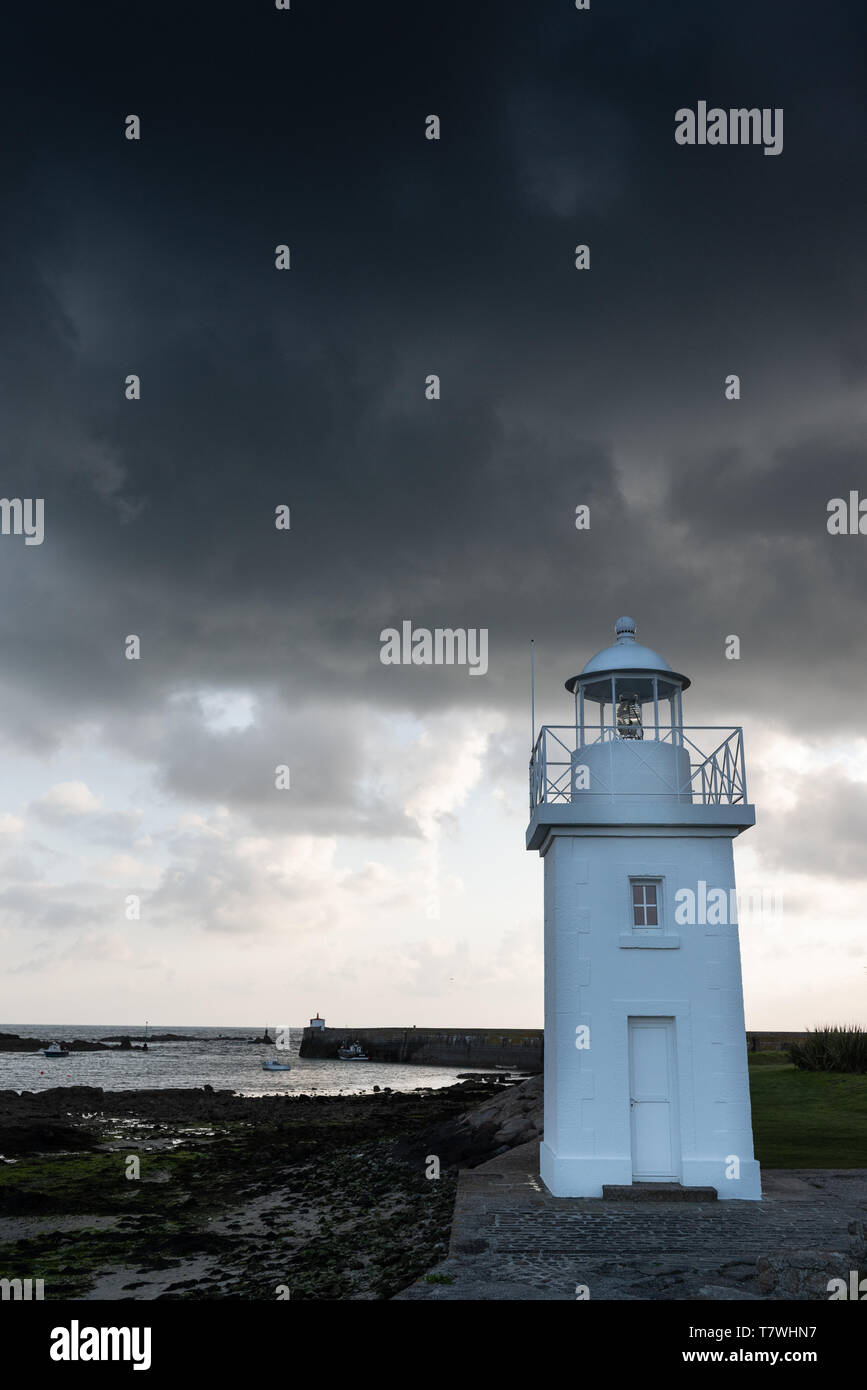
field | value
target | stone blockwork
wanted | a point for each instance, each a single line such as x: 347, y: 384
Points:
x: 807, y: 1273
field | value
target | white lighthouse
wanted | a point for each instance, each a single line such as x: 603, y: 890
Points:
x: 634, y: 814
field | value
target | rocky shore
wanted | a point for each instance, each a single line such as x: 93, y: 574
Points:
x: 12, y: 1042
x: 205, y: 1194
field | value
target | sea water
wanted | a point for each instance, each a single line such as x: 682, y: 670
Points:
x: 220, y: 1057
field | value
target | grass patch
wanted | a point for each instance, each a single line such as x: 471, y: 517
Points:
x: 807, y: 1119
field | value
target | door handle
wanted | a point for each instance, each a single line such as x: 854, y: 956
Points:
x: 632, y: 1103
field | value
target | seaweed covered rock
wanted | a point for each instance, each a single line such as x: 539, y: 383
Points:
x: 511, y: 1117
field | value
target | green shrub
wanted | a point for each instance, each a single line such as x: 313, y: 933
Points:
x: 837, y: 1047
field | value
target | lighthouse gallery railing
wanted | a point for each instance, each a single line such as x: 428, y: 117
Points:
x: 716, y: 777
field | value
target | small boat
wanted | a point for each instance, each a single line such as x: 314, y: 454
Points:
x: 55, y: 1050
x: 353, y: 1052
x: 270, y: 1065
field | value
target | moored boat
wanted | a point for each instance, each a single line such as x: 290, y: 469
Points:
x: 54, y: 1050
x: 271, y: 1065
x: 352, y: 1052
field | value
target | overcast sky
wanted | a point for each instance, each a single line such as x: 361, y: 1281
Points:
x: 306, y: 387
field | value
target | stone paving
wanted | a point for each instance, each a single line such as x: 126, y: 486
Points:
x: 511, y: 1240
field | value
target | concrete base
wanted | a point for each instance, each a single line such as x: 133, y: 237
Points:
x: 586, y: 1177
x: 580, y: 1177
x: 711, y: 1172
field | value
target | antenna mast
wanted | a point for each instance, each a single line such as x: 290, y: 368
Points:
x: 532, y: 695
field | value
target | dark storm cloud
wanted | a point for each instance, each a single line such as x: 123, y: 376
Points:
x: 411, y: 257
x: 779, y: 495
x: 839, y: 807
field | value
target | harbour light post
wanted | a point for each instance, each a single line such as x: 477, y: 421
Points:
x: 635, y: 814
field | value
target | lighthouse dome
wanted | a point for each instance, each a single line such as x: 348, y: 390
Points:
x: 624, y: 655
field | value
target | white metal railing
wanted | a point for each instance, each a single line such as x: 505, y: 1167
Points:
x: 716, y: 777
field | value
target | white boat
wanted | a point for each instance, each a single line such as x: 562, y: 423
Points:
x: 54, y: 1050
x: 352, y: 1052
x: 270, y: 1065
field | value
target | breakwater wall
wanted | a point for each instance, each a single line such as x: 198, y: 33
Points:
x: 519, y: 1049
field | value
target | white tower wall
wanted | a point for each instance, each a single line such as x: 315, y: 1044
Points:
x: 624, y: 768
x: 646, y: 1074
x: 600, y: 971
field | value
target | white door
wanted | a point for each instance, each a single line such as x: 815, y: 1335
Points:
x: 652, y: 1100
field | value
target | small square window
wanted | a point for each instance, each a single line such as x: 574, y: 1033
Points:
x: 645, y: 904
